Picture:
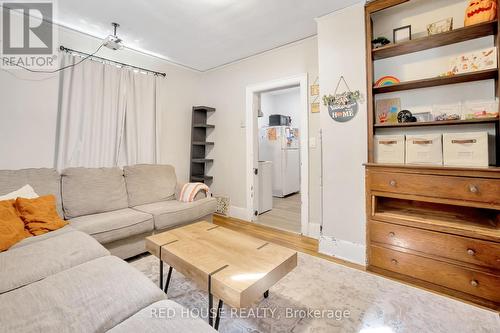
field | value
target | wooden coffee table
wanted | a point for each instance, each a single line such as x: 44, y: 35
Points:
x: 233, y: 267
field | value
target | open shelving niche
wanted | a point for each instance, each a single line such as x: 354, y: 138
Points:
x: 459, y: 35
x: 200, y: 147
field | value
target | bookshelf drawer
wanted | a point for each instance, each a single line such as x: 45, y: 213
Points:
x: 446, y: 187
x: 441, y: 273
x: 468, y: 250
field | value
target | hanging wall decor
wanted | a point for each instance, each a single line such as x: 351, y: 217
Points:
x: 314, y: 91
x: 342, y: 107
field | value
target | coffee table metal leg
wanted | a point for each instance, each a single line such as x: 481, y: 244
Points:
x: 217, y: 318
x: 210, y: 306
x: 266, y: 294
x: 161, y: 274
x: 169, y: 275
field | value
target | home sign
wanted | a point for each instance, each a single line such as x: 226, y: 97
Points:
x: 342, y: 107
x: 343, y: 113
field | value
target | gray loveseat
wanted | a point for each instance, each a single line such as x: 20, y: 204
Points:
x: 65, y: 281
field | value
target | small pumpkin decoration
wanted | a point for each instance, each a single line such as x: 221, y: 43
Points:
x: 479, y: 11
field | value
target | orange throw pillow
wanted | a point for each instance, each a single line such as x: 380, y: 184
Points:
x: 40, y: 214
x: 11, y: 226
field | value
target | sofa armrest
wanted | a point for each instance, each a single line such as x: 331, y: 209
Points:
x: 200, y: 195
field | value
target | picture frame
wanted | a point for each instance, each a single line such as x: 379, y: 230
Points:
x: 386, y: 110
x: 401, y: 34
x: 423, y: 117
x: 439, y: 27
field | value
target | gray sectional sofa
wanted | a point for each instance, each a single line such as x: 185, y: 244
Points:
x: 71, y: 280
x: 118, y: 207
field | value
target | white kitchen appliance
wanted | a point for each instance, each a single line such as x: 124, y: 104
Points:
x: 265, y: 186
x: 281, y: 145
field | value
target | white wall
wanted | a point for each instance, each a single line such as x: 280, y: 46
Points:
x: 28, y: 115
x: 285, y: 102
x: 344, y: 144
x: 224, y: 89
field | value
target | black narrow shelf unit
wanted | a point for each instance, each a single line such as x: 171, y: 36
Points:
x: 199, y: 144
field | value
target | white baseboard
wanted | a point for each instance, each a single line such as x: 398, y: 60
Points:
x: 314, y: 230
x: 345, y: 250
x: 239, y: 213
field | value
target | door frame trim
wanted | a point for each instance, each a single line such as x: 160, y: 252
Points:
x: 300, y: 80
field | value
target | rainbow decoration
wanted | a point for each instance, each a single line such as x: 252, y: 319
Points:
x: 386, y: 81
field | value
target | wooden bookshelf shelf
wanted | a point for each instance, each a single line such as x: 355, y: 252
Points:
x: 203, y: 108
x: 203, y: 126
x: 443, y: 39
x: 440, y: 123
x: 472, y: 222
x: 202, y: 143
x: 202, y: 160
x: 438, y: 81
x: 201, y: 178
x: 490, y: 171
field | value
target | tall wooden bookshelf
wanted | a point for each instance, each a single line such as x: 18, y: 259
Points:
x: 433, y: 226
x: 200, y: 145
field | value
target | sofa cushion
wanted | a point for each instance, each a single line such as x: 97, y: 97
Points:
x: 11, y: 226
x: 44, y: 181
x: 91, y: 297
x: 30, y: 240
x: 163, y: 316
x: 111, y: 226
x: 170, y: 213
x: 36, y: 261
x: 147, y: 183
x: 93, y: 190
x: 39, y: 214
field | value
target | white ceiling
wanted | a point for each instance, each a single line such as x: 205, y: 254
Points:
x: 201, y: 34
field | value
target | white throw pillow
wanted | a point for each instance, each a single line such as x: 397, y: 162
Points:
x: 26, y: 192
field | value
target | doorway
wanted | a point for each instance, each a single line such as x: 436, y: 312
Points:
x: 277, y: 163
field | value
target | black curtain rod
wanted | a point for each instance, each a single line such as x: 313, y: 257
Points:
x: 65, y: 49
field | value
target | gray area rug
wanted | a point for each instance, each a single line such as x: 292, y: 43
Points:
x: 321, y: 296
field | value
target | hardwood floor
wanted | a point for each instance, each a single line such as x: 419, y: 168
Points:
x: 285, y: 214
x: 288, y: 239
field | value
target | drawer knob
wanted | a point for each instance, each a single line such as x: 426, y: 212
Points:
x: 473, y: 188
x: 392, y: 183
x: 474, y: 283
x: 394, y: 261
x: 392, y: 234
x: 471, y: 252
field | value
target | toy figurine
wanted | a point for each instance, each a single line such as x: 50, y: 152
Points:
x: 479, y: 11
x: 379, y: 42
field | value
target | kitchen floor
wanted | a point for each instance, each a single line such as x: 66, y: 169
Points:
x: 285, y: 214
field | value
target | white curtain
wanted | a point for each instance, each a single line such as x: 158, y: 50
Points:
x: 140, y: 136
x: 107, y: 116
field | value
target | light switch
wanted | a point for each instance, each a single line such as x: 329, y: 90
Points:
x: 312, y: 142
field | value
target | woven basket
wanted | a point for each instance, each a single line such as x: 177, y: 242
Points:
x: 222, y: 205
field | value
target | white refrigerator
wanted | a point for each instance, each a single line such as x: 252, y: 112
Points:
x: 281, y: 145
